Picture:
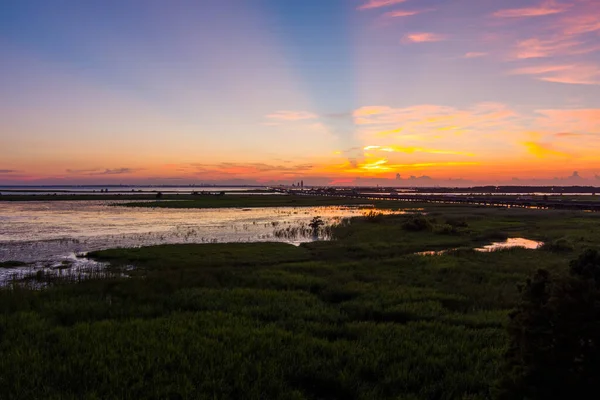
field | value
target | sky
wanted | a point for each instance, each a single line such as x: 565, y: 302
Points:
x: 332, y: 92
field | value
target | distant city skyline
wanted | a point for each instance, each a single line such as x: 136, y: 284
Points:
x: 336, y: 92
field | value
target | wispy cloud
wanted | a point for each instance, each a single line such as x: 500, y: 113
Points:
x: 571, y: 122
x: 8, y: 171
x: 577, y: 74
x: 540, y: 48
x: 83, y: 171
x: 568, y: 134
x: 101, y: 171
x: 378, y: 166
x: 116, y: 171
x: 543, y: 150
x: 475, y: 54
x: 423, y: 37
x: 406, y: 13
x: 249, y: 169
x: 410, y: 150
x: 291, y: 116
x: 548, y: 7
x: 370, y: 4
x: 585, y: 22
x: 427, y: 118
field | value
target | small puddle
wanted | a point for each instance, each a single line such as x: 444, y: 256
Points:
x: 507, y: 244
x: 511, y: 243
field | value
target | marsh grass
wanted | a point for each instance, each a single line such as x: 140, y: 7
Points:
x: 360, y: 317
x: 250, y: 201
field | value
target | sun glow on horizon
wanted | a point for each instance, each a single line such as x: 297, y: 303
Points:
x: 326, y: 91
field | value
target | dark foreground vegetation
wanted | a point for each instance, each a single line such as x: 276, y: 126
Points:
x: 361, y: 317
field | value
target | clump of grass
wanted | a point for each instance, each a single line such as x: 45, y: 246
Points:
x: 12, y: 264
x: 457, y: 222
x: 562, y: 245
x: 374, y: 216
x: 493, y: 236
x: 446, y: 229
x: 417, y: 223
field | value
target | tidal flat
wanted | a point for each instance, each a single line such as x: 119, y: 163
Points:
x: 360, y: 316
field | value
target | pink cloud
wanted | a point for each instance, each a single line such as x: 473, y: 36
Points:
x: 571, y: 122
x: 581, y: 24
x: 538, y: 48
x: 567, y: 34
x: 379, y: 3
x: 405, y: 13
x: 568, y: 134
x: 577, y: 74
x: 475, y: 54
x: 548, y: 7
x: 423, y: 37
x: 291, y: 116
x: 583, y: 18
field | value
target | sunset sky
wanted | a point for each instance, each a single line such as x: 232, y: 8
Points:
x: 274, y: 91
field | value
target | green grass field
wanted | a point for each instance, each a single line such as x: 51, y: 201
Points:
x: 360, y: 317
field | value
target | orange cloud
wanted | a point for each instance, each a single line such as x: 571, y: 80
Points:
x: 390, y: 132
x: 543, y: 150
x: 568, y: 134
x: 434, y: 117
x: 379, y: 3
x: 379, y: 166
x: 577, y: 74
x: 409, y: 150
x: 252, y: 169
x: 547, y: 7
x: 582, y: 121
x: 291, y: 116
x: 435, y: 164
x: 371, y: 110
x: 423, y: 37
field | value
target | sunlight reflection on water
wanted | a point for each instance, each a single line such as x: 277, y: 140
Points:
x: 510, y: 243
x: 507, y: 244
x: 34, y: 231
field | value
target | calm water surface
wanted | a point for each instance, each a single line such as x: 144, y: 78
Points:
x: 507, y: 244
x: 51, y: 231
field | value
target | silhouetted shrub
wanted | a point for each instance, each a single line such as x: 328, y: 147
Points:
x: 446, y: 230
x: 12, y: 264
x: 457, y: 222
x: 315, y: 225
x: 495, y: 235
x: 559, y: 246
x: 554, y: 350
x: 417, y: 223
